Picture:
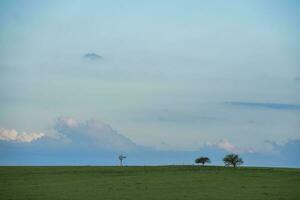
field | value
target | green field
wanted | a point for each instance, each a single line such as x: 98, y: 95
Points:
x: 164, y: 182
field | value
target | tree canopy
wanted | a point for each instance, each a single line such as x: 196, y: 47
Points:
x: 233, y: 160
x: 202, y: 160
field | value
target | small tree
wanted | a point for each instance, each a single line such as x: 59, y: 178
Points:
x: 202, y: 160
x: 233, y: 160
x: 121, y: 158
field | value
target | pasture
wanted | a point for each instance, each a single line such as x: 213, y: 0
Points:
x: 150, y: 182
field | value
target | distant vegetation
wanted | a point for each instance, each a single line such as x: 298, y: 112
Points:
x: 229, y: 160
x: 233, y: 160
x: 202, y: 160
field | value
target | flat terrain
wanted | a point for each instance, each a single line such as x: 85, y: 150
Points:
x: 142, y: 183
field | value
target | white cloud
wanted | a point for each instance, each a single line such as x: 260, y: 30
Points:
x: 229, y: 147
x: 93, y: 133
x: 226, y: 145
x: 66, y: 121
x: 13, y: 135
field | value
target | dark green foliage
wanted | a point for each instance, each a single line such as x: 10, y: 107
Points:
x: 148, y: 183
x: 233, y: 160
x: 202, y: 160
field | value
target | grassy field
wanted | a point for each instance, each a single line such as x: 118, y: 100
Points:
x: 142, y: 183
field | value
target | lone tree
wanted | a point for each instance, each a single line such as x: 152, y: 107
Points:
x: 202, y: 160
x: 233, y: 160
x: 121, y: 158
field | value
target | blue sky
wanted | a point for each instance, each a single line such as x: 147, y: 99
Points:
x: 163, y: 82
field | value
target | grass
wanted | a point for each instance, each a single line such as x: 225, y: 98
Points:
x: 143, y: 183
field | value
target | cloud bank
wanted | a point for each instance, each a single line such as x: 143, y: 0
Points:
x: 95, y: 142
x: 93, y: 133
x: 13, y: 135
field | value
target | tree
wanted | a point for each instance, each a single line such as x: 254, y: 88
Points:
x: 202, y: 160
x: 121, y: 158
x: 233, y: 160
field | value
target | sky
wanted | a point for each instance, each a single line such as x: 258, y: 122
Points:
x: 162, y: 82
